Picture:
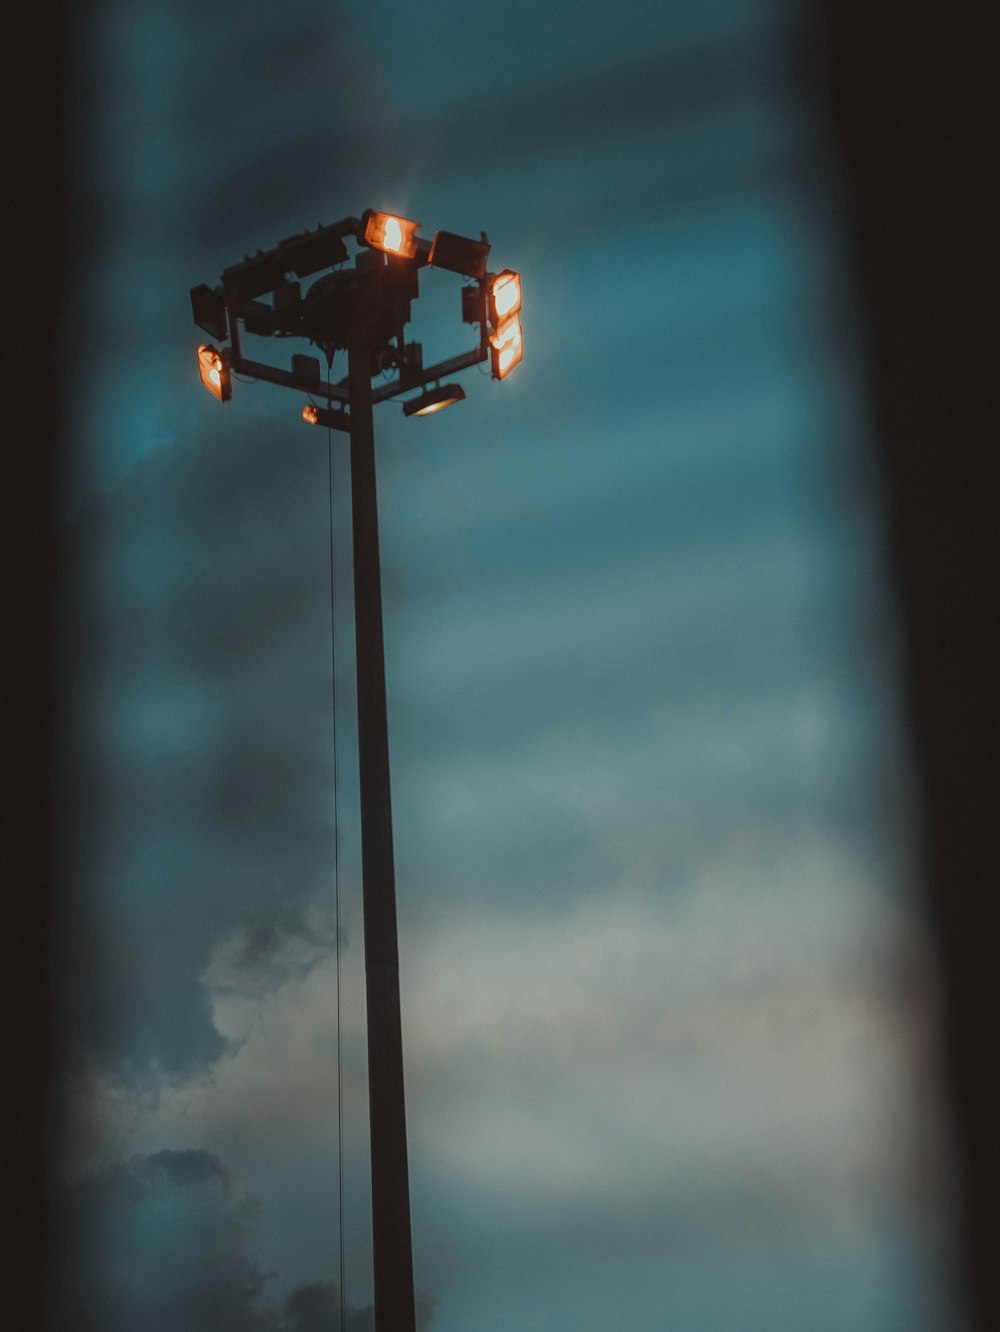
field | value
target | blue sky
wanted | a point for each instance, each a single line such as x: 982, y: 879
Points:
x: 669, y: 1003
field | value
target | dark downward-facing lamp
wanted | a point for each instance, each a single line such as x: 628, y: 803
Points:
x: 434, y: 399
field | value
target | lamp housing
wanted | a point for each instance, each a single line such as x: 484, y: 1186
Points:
x: 504, y: 296
x: 213, y: 366
x: 434, y: 399
x: 394, y: 235
x: 208, y: 306
x: 326, y: 416
x: 506, y: 347
x: 459, y: 254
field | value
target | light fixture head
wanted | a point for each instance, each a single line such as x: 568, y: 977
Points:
x: 394, y: 235
x: 209, y: 309
x: 504, y: 295
x: 506, y: 347
x: 434, y: 399
x: 459, y: 254
x: 332, y: 417
x: 213, y: 366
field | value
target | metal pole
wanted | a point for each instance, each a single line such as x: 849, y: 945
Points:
x: 392, y: 1248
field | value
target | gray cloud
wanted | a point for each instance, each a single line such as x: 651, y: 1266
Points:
x: 161, y: 1242
x: 167, y: 1241
x: 198, y: 783
x: 316, y: 1308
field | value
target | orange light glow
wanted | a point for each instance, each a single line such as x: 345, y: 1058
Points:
x: 432, y: 400
x: 507, y: 346
x: 310, y: 414
x: 394, y: 235
x: 214, y: 373
x: 505, y: 295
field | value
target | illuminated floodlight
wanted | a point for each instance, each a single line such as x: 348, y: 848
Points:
x: 326, y: 416
x: 505, y: 296
x: 394, y: 235
x: 506, y: 346
x: 434, y: 399
x: 214, y: 370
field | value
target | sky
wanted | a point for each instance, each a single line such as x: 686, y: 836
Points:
x: 669, y: 998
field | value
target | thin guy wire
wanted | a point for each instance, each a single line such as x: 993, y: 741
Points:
x: 336, y: 880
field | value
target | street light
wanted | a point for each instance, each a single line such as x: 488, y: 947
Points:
x: 505, y: 296
x: 459, y: 253
x: 432, y: 400
x: 503, y: 314
x: 507, y: 347
x: 394, y: 235
x: 364, y: 310
x: 214, y: 371
x: 326, y: 416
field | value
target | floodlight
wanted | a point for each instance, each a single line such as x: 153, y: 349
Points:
x: 213, y: 366
x: 209, y: 310
x: 254, y: 276
x: 434, y: 399
x: 507, y: 347
x: 459, y: 254
x: 394, y: 235
x: 505, y: 296
x: 326, y: 416
x: 301, y: 255
x: 311, y: 250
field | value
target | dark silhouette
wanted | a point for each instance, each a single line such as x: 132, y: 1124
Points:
x: 911, y: 94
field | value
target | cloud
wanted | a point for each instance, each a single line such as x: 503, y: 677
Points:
x: 199, y: 764
x: 168, y: 1241
x: 740, y: 1046
x: 316, y: 1308
x: 162, y: 1242
x: 742, y: 1038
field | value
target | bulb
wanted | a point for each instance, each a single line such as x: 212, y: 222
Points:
x: 506, y: 294
x: 508, y: 346
x: 509, y: 335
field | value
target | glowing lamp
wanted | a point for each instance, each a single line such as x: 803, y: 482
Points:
x: 506, y: 347
x: 326, y: 416
x: 394, y: 235
x: 505, y: 296
x: 434, y: 399
x: 214, y: 370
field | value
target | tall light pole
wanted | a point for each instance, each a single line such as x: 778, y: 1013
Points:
x: 363, y: 310
x: 392, y: 1250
